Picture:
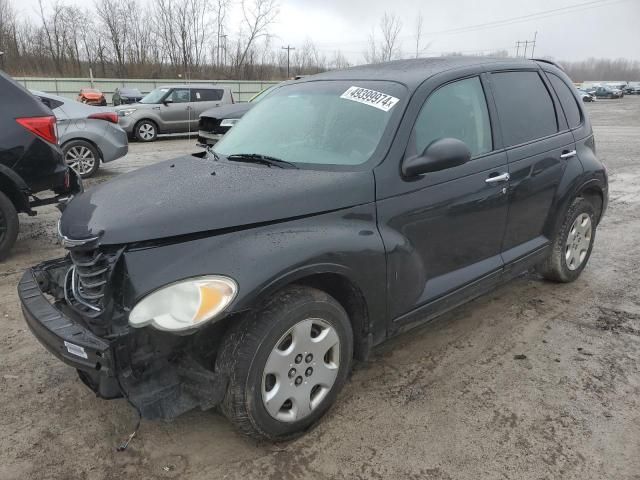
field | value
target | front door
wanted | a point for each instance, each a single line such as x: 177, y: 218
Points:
x: 176, y: 111
x: 446, y: 231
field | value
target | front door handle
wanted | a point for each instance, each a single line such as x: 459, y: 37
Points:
x: 503, y: 177
x: 568, y: 154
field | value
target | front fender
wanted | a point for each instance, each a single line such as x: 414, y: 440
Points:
x: 266, y: 258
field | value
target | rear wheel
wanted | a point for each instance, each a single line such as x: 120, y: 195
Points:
x: 146, y: 131
x: 82, y: 156
x: 572, y: 244
x: 8, y: 225
x: 286, y: 364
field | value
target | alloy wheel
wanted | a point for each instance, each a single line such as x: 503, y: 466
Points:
x: 301, y: 370
x: 81, y: 159
x: 146, y: 131
x: 578, y: 241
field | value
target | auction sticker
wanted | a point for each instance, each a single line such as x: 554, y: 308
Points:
x: 370, y: 97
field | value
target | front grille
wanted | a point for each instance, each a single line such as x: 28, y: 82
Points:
x: 209, y: 124
x: 87, y: 280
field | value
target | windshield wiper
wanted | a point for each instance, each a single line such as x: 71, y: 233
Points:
x: 210, y: 150
x: 259, y: 158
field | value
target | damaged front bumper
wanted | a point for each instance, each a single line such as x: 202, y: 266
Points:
x: 161, y: 385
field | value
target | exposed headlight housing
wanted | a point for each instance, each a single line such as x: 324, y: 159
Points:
x: 229, y: 122
x: 126, y: 112
x: 184, y: 305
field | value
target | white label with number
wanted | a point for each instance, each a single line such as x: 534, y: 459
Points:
x: 370, y: 97
x: 76, y: 350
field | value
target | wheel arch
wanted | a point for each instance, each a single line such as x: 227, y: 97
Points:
x: 83, y: 139
x: 335, y: 281
x: 15, y: 189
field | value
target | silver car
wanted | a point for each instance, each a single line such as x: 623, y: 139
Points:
x: 171, y: 109
x: 87, y: 134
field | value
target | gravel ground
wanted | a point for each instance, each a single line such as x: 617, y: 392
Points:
x: 446, y: 401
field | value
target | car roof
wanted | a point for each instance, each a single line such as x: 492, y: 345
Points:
x: 413, y: 72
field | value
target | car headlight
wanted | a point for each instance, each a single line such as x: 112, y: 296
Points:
x: 126, y: 112
x: 184, y: 305
x: 229, y: 122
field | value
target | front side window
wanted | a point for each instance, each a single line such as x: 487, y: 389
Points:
x: 323, y: 122
x: 524, y: 105
x: 179, y: 95
x: 456, y: 110
x: 567, y: 100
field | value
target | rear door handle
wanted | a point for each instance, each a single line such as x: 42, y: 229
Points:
x: 568, y: 154
x: 503, y: 177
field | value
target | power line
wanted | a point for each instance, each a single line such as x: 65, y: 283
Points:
x: 509, y: 21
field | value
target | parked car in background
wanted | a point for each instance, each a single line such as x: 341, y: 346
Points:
x: 91, y: 96
x: 344, y: 209
x: 586, y: 97
x: 215, y: 122
x: 607, y: 92
x: 171, y: 109
x: 632, y: 89
x: 30, y: 160
x: 88, y: 135
x: 126, y: 95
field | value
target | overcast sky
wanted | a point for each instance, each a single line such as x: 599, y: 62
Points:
x: 599, y: 28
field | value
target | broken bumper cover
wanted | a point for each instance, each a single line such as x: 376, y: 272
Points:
x: 65, y: 338
x: 160, y: 388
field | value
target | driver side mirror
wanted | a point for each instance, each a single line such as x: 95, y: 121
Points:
x: 439, y: 155
x: 167, y: 101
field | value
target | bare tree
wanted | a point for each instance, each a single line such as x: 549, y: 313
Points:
x: 258, y: 15
x: 419, y: 20
x: 111, y: 13
x: 388, y: 48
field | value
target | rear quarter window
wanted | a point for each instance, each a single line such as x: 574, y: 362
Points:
x: 524, y: 105
x: 567, y: 100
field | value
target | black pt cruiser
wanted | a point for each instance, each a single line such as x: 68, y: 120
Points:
x: 343, y: 209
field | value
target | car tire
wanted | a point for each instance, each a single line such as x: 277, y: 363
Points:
x: 572, y: 244
x: 273, y: 359
x: 146, y: 131
x: 9, y: 225
x: 82, y: 156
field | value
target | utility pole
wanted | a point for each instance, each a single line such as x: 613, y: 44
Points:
x: 535, y: 36
x: 517, y: 48
x: 288, y: 48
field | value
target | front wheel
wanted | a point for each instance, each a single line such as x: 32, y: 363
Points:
x: 572, y: 244
x: 146, y: 131
x: 286, y: 364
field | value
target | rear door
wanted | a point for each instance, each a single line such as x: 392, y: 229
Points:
x: 203, y: 99
x: 538, y: 144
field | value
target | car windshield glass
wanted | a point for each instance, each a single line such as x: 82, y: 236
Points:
x: 261, y: 95
x: 154, y: 96
x: 321, y: 122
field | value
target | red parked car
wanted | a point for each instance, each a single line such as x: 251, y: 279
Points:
x: 92, y: 96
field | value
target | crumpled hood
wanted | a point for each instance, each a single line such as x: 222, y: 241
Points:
x: 191, y: 194
x: 235, y: 110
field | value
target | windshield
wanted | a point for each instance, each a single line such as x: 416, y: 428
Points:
x: 323, y: 122
x: 260, y: 95
x: 154, y: 96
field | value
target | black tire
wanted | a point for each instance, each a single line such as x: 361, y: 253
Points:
x: 150, y: 127
x: 555, y: 267
x: 246, y: 349
x: 9, y: 226
x: 69, y: 149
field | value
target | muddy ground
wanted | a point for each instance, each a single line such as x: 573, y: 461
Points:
x: 446, y: 401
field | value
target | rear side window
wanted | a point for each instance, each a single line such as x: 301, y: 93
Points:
x: 567, y: 100
x: 50, y: 102
x: 206, y: 95
x: 456, y: 110
x: 524, y: 106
